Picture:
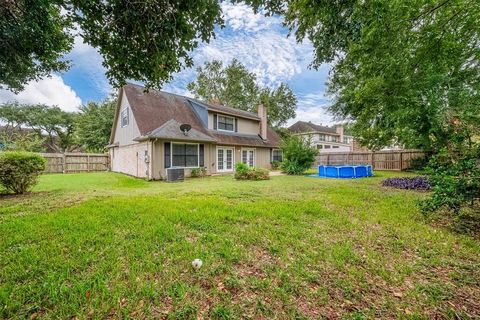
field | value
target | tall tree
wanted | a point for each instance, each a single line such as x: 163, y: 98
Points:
x: 94, y: 124
x: 140, y: 40
x: 407, y: 70
x: 56, y: 125
x: 235, y: 86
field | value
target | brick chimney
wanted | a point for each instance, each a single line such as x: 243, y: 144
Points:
x: 339, y: 129
x: 262, y: 114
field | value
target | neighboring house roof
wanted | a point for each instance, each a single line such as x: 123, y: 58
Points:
x: 304, y: 127
x: 159, y: 115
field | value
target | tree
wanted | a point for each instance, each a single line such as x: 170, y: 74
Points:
x: 143, y: 40
x: 298, y: 155
x: 53, y: 123
x: 94, y: 124
x: 403, y: 70
x: 236, y: 87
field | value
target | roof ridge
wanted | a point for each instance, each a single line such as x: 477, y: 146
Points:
x: 206, y: 104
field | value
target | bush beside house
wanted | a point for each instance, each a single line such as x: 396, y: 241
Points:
x: 19, y: 170
x: 244, y: 172
x: 298, y: 155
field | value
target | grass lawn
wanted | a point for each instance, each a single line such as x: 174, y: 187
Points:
x: 103, y: 245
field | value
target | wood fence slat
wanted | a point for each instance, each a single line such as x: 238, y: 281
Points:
x: 75, y: 162
x: 382, y: 160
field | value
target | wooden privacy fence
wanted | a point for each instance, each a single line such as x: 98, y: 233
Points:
x: 75, y: 162
x: 381, y: 160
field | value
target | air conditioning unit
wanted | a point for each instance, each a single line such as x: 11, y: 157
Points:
x: 175, y: 174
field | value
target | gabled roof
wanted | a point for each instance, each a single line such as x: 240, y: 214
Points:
x: 155, y: 108
x: 159, y: 114
x: 303, y: 127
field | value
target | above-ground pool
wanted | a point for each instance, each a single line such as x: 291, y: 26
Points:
x: 345, y: 171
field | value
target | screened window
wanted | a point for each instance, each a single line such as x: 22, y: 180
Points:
x: 124, y: 117
x: 277, y: 155
x: 225, y: 123
x: 185, y: 155
x: 321, y: 137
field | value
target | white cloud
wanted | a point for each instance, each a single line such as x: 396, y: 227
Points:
x: 50, y: 91
x: 241, y: 17
x: 87, y: 59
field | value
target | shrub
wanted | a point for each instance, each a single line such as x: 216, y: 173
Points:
x: 198, y: 172
x: 414, y: 183
x: 298, y: 155
x: 19, y: 170
x: 276, y: 165
x: 455, y: 181
x: 244, y: 172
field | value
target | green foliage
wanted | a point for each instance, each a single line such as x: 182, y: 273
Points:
x: 19, y: 170
x: 405, y: 71
x: 298, y: 155
x: 16, y: 140
x: 244, y: 172
x: 455, y: 182
x: 37, y: 34
x: 236, y: 87
x: 34, y: 38
x: 276, y: 165
x: 198, y: 172
x: 51, y: 123
x: 94, y: 125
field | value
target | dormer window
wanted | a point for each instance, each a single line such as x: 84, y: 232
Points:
x: 124, y: 116
x: 225, y: 123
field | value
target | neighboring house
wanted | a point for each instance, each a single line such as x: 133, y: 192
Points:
x: 325, y: 139
x: 146, y: 137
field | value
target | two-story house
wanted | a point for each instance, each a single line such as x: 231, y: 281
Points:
x: 148, y: 137
x: 325, y: 139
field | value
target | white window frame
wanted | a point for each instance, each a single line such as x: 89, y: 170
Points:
x: 198, y: 154
x: 225, y: 116
x: 276, y: 149
x: 128, y: 117
x: 254, y: 155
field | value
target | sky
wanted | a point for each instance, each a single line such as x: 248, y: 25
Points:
x: 260, y: 43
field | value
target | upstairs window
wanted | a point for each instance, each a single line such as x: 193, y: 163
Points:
x: 321, y: 137
x: 125, y: 117
x: 225, y: 123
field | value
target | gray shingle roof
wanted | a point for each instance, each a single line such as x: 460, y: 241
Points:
x: 302, y: 127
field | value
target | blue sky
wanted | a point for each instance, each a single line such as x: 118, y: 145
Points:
x: 259, y: 42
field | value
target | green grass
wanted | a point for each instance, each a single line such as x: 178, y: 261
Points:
x: 104, y: 245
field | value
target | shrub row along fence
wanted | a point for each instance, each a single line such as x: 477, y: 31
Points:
x: 75, y: 162
x: 396, y: 160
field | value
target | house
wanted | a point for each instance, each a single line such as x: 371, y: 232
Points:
x: 148, y: 137
x: 324, y: 138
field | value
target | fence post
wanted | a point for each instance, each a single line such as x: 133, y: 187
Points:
x: 64, y: 170
x: 328, y: 159
x: 401, y: 161
x: 88, y: 163
x: 373, y: 160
